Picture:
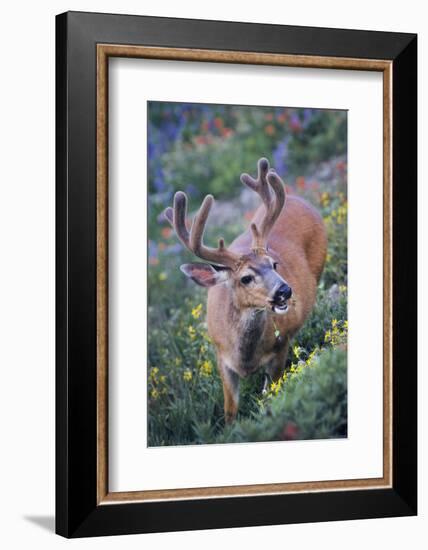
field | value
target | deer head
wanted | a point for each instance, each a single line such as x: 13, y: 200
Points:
x: 253, y: 276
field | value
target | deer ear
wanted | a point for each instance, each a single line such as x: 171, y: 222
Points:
x: 205, y: 274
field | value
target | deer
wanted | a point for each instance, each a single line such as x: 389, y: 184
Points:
x: 263, y: 286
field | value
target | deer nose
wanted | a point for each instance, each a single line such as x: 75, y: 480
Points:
x: 283, y: 293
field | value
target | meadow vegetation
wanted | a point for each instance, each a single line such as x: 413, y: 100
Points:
x: 203, y: 149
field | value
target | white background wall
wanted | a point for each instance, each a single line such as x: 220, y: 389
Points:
x: 27, y: 89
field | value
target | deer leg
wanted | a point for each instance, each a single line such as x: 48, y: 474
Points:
x: 231, y: 393
x: 276, y: 367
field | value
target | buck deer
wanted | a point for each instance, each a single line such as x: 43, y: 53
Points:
x: 263, y: 286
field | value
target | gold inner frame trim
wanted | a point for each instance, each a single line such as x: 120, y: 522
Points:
x: 104, y: 51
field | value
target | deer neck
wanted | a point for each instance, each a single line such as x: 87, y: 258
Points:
x: 251, y: 325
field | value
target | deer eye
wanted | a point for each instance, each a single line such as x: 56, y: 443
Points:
x: 275, y: 265
x: 246, y: 279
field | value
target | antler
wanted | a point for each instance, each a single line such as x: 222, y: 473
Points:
x: 265, y: 177
x: 193, y: 240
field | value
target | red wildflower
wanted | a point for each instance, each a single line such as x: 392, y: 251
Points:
x: 290, y: 431
x: 166, y: 232
x: 218, y: 122
x: 300, y: 183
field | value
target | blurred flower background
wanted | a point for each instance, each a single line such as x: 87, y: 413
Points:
x: 201, y: 149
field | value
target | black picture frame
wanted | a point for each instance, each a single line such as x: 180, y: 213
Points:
x: 77, y: 512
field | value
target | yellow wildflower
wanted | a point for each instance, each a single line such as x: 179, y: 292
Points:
x: 296, y: 351
x: 154, y: 393
x: 163, y: 276
x: 196, y: 311
x: 325, y: 199
x: 206, y: 368
x: 187, y: 375
x: 275, y: 387
x: 192, y: 332
x: 153, y: 373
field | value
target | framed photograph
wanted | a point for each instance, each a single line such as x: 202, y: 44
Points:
x: 236, y: 274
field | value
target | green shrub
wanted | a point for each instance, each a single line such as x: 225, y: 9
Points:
x: 311, y: 404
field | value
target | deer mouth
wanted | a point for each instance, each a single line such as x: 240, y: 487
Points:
x: 280, y: 307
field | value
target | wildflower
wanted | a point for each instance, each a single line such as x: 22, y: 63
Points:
x: 296, y: 351
x: 341, y: 166
x: 342, y: 213
x: 334, y: 323
x: 275, y: 387
x: 196, y: 311
x: 200, y: 140
x: 345, y: 325
x: 226, y: 132
x: 154, y: 394
x: 300, y: 183
x: 290, y: 432
x: 206, y: 368
x: 187, y: 375
x: 270, y: 129
x: 203, y: 350
x: 325, y: 199
x: 327, y: 336
x: 218, y: 122
x: 153, y: 373
x: 342, y: 288
x: 192, y: 332
x: 166, y: 232
x: 163, y: 276
x: 177, y: 361
x: 295, y: 124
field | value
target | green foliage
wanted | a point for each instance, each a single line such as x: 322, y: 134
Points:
x: 311, y: 404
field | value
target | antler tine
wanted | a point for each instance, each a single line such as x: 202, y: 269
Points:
x: 177, y: 218
x: 193, y: 240
x: 220, y: 255
x: 260, y: 185
x: 275, y: 210
x: 266, y: 177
